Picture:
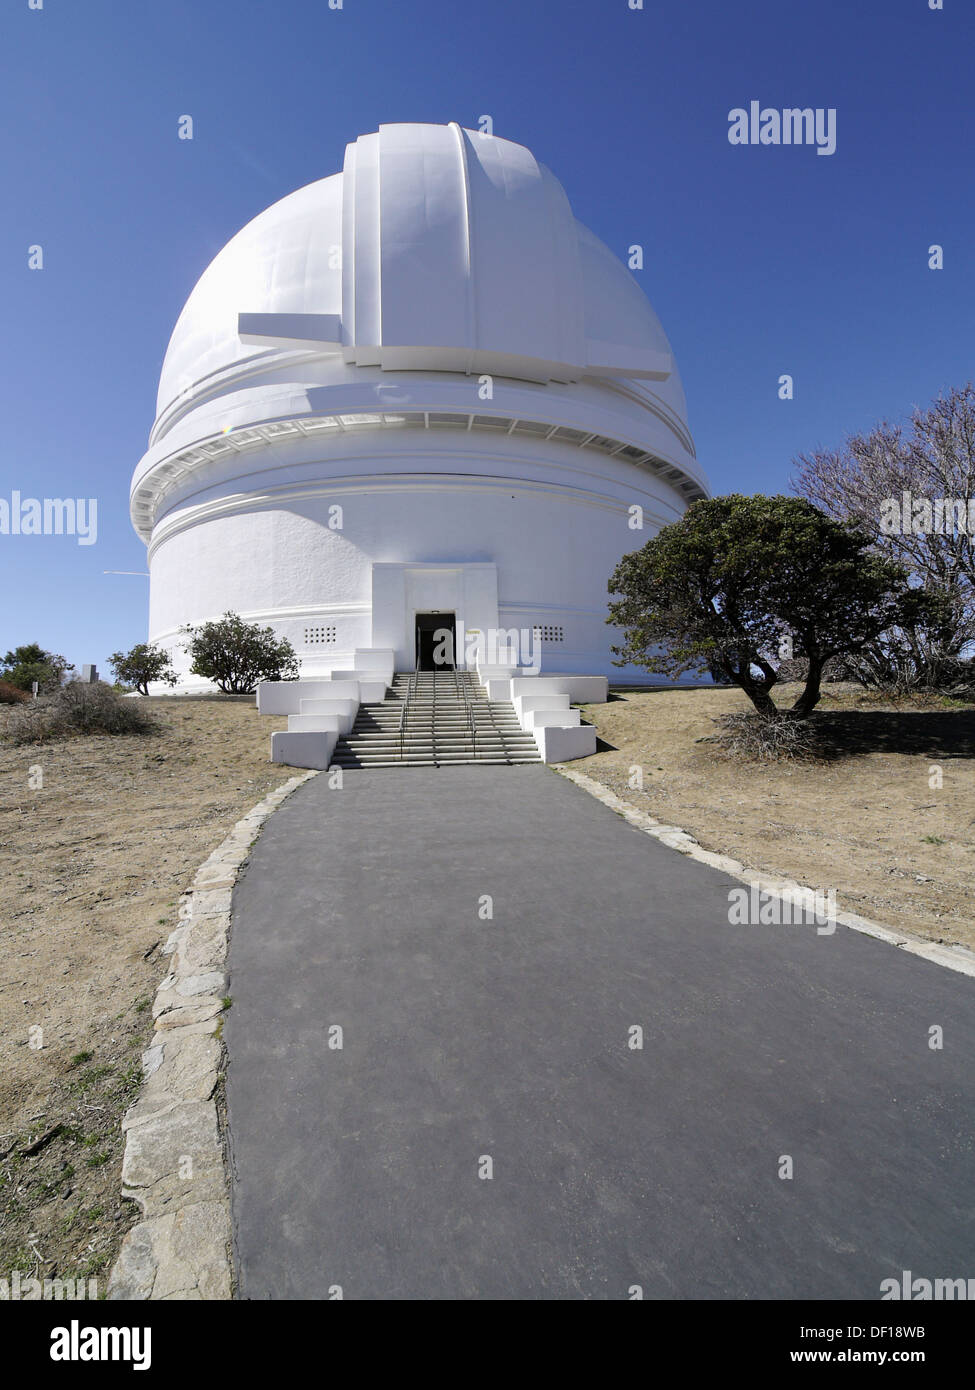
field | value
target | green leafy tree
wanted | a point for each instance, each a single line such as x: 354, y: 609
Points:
x: 144, y: 663
x: 29, y: 663
x: 237, y: 655
x: 740, y: 583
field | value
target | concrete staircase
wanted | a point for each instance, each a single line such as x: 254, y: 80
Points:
x: 434, y: 719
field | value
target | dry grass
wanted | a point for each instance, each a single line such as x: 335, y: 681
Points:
x: 862, y: 817
x: 93, y: 863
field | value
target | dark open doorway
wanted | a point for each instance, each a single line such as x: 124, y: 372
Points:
x: 435, y: 641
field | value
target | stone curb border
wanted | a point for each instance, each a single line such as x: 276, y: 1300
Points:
x: 174, y: 1164
x: 958, y: 958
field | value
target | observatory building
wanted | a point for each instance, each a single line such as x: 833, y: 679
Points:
x: 415, y: 396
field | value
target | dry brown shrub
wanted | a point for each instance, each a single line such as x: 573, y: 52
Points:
x: 77, y: 708
x: 755, y: 738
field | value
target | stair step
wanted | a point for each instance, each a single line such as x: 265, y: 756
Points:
x: 465, y: 762
x: 435, y: 719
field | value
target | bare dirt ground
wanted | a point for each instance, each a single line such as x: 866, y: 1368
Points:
x: 867, y: 822
x: 92, y: 864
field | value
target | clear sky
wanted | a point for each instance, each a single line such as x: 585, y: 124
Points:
x: 760, y: 260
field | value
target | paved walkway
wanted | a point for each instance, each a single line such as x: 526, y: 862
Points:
x: 507, y: 1038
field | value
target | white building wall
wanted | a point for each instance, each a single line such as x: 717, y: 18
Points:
x: 509, y: 553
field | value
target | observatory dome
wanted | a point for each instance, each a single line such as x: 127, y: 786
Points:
x: 422, y: 364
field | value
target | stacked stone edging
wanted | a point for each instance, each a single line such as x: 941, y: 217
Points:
x: 175, y: 1164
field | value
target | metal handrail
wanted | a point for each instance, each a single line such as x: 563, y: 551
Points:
x: 500, y: 733
x: 410, y: 692
x: 463, y: 691
x: 433, y: 722
x: 471, y: 720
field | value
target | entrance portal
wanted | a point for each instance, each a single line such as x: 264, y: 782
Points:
x: 435, y: 641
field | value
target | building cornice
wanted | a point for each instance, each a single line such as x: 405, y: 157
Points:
x: 169, y: 471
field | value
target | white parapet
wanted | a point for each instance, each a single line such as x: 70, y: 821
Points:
x: 487, y: 673
x: 285, y: 697
x: 316, y: 724
x: 304, y: 749
x: 524, y: 703
x: 581, y: 690
x: 557, y: 745
x: 498, y: 687
x: 372, y: 684
x: 346, y: 709
x: 550, y: 719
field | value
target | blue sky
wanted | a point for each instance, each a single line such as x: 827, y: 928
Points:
x: 759, y: 260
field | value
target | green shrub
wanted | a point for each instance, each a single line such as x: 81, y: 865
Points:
x: 144, y: 663
x: 29, y: 663
x: 238, y: 655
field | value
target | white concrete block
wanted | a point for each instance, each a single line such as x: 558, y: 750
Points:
x: 498, y: 688
x: 372, y: 686
x: 328, y: 704
x: 487, y: 673
x: 284, y: 697
x: 303, y: 749
x: 524, y: 703
x: 581, y: 690
x: 316, y: 723
x: 372, y: 691
x: 345, y: 709
x: 550, y: 719
x: 334, y: 690
x: 562, y: 745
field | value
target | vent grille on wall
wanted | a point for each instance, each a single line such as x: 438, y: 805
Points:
x: 317, y: 636
x: 549, y: 634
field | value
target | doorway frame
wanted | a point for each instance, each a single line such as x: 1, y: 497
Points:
x: 440, y: 613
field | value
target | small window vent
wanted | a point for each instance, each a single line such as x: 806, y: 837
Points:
x: 319, y: 636
x: 546, y: 633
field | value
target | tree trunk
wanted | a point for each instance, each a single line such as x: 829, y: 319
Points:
x: 810, y: 696
x: 762, y: 701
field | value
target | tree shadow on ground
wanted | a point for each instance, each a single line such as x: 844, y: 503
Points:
x: 932, y: 733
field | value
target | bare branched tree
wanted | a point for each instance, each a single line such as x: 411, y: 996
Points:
x: 931, y: 458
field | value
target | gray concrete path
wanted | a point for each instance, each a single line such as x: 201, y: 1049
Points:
x: 507, y: 1038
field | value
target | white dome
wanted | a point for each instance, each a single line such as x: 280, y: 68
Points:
x: 436, y: 249
x: 278, y: 263
x: 419, y: 384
